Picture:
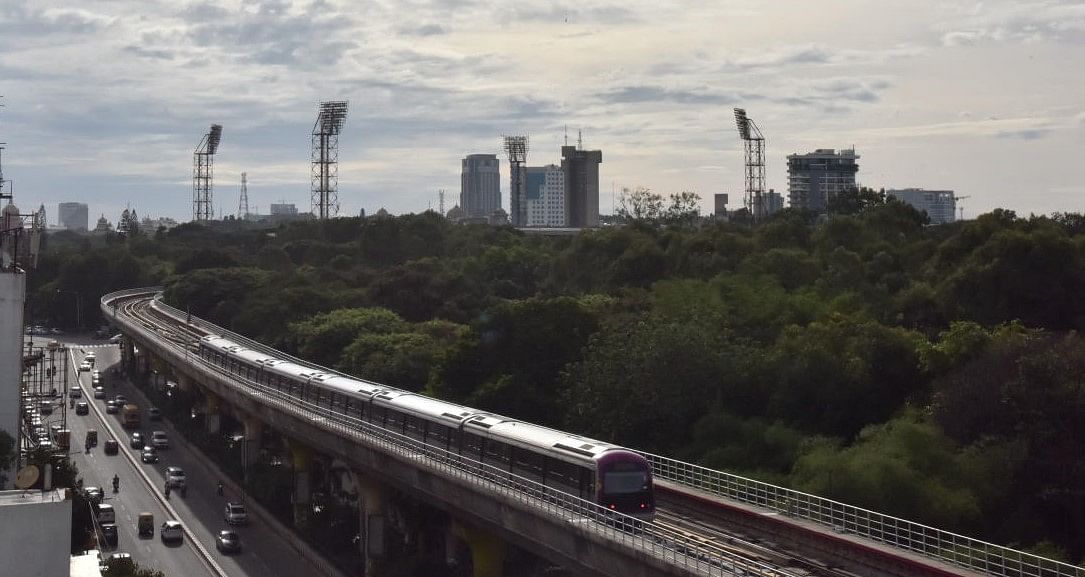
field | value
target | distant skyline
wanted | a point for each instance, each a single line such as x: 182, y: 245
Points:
x: 105, y: 100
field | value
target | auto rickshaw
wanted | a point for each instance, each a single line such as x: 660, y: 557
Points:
x: 145, y: 524
x: 92, y: 438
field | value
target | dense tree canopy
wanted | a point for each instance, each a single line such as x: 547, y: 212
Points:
x: 934, y: 372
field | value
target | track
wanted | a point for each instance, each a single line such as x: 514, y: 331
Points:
x: 698, y: 526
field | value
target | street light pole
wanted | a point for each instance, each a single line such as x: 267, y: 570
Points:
x: 78, y: 306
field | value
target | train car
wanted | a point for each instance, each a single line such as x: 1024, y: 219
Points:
x: 609, y: 475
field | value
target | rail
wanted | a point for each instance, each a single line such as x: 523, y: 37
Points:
x: 895, y: 532
x: 892, y: 531
x: 667, y: 545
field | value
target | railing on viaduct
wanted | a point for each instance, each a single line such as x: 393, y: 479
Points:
x: 669, y: 546
x: 958, y: 550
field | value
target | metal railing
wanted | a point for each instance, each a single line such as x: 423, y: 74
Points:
x: 667, y: 545
x: 895, y: 532
x: 892, y: 531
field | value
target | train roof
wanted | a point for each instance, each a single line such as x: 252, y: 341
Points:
x: 550, y: 439
x: 428, y: 407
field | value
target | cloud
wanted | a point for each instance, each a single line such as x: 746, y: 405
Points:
x: 1024, y: 134
x: 644, y: 93
x: 424, y: 30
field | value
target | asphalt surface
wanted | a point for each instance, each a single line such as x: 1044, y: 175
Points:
x: 264, y: 553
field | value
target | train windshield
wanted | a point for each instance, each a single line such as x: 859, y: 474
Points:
x: 623, y: 482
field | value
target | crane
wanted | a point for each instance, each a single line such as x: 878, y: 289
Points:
x: 961, y: 209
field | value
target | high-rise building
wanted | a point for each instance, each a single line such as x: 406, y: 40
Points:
x: 940, y: 205
x: 815, y: 178
x: 774, y: 202
x: 284, y: 209
x: 480, y: 185
x: 581, y: 186
x: 545, y: 196
x: 73, y: 216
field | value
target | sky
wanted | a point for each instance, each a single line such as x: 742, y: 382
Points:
x: 106, y: 100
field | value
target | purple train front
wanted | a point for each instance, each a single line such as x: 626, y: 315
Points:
x: 624, y: 483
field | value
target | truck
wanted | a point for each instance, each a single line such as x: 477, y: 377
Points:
x: 130, y: 416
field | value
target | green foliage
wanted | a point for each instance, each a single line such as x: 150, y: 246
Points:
x: 904, y: 467
x: 323, y: 338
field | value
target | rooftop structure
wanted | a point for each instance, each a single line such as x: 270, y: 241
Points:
x: 35, y: 533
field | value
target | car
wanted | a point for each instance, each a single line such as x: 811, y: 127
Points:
x: 96, y: 374
x: 109, y: 531
x: 171, y: 531
x: 120, y: 399
x: 84, y: 367
x: 136, y: 441
x: 112, y: 446
x: 95, y: 381
x: 106, y: 514
x: 115, y: 339
x: 76, y: 393
x: 228, y: 541
x: 82, y: 408
x: 55, y: 331
x: 120, y: 562
x: 154, y: 414
x: 90, y: 358
x: 159, y: 440
x: 112, y: 407
x: 94, y: 494
x: 99, y: 393
x: 235, y: 514
x: 175, y: 477
x: 148, y: 455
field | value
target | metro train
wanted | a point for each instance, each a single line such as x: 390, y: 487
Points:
x: 611, y: 476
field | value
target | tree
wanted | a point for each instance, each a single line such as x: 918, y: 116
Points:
x: 640, y: 204
x: 684, y: 209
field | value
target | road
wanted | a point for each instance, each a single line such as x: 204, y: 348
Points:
x: 264, y: 553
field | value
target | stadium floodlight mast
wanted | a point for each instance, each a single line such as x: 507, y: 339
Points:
x: 325, y: 155
x: 516, y: 147
x: 202, y: 174
x: 754, y: 144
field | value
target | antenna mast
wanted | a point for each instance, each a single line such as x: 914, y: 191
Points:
x: 516, y: 147
x: 325, y: 155
x: 243, y: 202
x: 203, y: 172
x: 754, y: 142
x: 441, y: 201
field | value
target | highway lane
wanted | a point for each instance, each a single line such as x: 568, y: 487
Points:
x: 264, y: 552
x: 97, y: 469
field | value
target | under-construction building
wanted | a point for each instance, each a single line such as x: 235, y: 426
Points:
x: 581, y: 169
x: 815, y: 178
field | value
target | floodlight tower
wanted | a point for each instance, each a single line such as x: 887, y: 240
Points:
x: 243, y: 202
x: 325, y: 153
x: 754, y: 142
x: 516, y: 147
x: 202, y: 173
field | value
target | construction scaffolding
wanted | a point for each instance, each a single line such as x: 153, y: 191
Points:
x: 325, y: 155
x: 203, y: 173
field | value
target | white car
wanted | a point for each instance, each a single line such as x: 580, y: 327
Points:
x: 115, y: 339
x: 175, y: 476
x: 159, y: 440
x: 236, y: 514
x: 171, y: 531
x: 90, y: 359
x: 84, y: 366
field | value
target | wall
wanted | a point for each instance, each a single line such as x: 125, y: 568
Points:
x: 35, y: 533
x: 12, y: 297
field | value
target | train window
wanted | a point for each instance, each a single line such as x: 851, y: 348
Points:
x: 415, y: 427
x: 471, y: 445
x: 377, y: 416
x: 497, y: 452
x: 437, y: 435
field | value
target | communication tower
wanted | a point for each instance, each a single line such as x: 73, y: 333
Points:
x: 325, y: 154
x: 754, y: 143
x: 441, y: 201
x: 243, y: 202
x: 203, y: 173
x: 516, y: 147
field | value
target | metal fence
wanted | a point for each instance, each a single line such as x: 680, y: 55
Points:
x: 899, y: 533
x: 929, y: 541
x: 672, y: 547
